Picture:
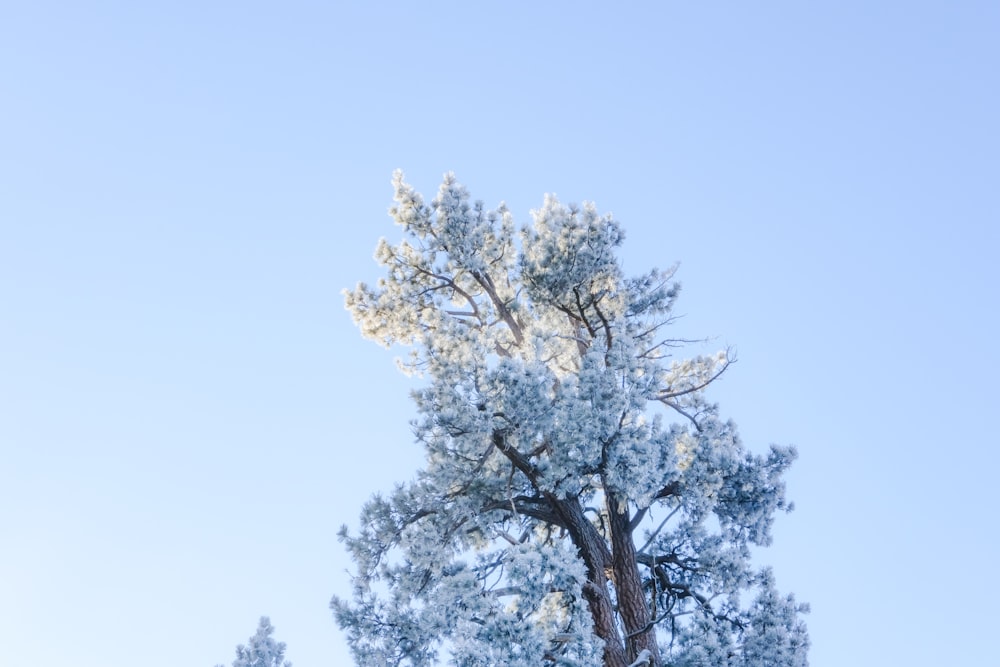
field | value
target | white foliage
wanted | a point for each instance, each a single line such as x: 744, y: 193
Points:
x: 548, y: 380
x: 261, y: 650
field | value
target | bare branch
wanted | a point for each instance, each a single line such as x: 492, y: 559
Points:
x: 667, y: 395
x: 486, y: 282
x: 656, y: 532
x: 682, y: 412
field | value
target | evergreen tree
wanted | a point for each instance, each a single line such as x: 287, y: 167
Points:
x: 261, y: 650
x: 562, y: 517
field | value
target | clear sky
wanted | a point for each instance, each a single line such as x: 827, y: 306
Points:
x: 187, y: 414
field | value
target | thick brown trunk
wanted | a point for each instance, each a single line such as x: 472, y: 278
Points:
x: 597, y: 559
x: 639, y: 633
x: 618, y: 563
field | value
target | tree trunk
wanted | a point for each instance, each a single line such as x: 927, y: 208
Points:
x: 597, y: 558
x: 639, y: 632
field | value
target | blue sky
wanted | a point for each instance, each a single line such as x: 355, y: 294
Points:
x: 187, y: 414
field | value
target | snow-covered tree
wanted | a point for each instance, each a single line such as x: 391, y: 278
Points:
x: 261, y: 650
x: 582, y: 502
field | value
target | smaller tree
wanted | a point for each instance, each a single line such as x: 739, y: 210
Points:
x: 262, y: 650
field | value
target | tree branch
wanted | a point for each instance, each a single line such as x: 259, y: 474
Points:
x: 667, y: 395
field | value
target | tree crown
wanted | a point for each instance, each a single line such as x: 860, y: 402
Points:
x: 261, y: 650
x: 560, y: 517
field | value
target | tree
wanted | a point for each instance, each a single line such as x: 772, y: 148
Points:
x: 261, y: 650
x: 561, y: 518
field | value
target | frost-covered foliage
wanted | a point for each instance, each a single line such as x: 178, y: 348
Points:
x: 562, y: 518
x: 261, y: 650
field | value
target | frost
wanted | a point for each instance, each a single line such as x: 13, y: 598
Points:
x: 262, y: 650
x: 561, y: 517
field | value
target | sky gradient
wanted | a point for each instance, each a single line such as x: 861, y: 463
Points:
x: 187, y: 414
